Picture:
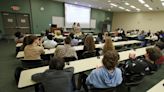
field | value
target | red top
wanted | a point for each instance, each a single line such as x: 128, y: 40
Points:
x: 160, y: 60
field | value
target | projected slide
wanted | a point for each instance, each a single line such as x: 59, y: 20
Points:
x: 78, y: 14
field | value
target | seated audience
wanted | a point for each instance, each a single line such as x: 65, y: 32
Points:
x: 74, y: 42
x: 19, y: 37
x: 89, y: 44
x: 25, y: 42
x: 160, y: 46
x: 135, y: 67
x: 107, y: 75
x: 34, y: 49
x: 154, y: 58
x: 99, y: 39
x: 56, y: 77
x: 49, y: 43
x: 108, y: 46
x: 65, y: 50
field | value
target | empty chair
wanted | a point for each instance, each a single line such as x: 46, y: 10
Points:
x: 31, y: 63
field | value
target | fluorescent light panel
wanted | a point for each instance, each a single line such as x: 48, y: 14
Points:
x: 121, y: 7
x: 132, y: 6
x: 113, y: 4
x: 141, y: 1
x: 146, y: 5
x: 127, y: 3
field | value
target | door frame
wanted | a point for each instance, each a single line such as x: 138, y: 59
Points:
x: 29, y: 19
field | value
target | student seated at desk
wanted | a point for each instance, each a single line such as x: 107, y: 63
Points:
x: 49, y: 43
x: 154, y: 58
x: 108, y: 46
x: 19, y: 37
x: 89, y: 44
x: 160, y: 46
x: 99, y: 39
x: 34, y: 49
x: 74, y: 42
x: 65, y: 50
x: 56, y: 79
x: 107, y: 75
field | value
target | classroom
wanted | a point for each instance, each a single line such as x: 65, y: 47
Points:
x: 82, y: 45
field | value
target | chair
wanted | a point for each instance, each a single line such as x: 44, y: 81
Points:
x: 112, y: 89
x: 67, y: 59
x: 31, y: 63
x: 88, y: 54
x: 135, y: 80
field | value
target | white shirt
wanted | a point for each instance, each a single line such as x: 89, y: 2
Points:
x: 49, y: 44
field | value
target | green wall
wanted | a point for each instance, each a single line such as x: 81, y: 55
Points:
x: 42, y: 19
x: 5, y: 6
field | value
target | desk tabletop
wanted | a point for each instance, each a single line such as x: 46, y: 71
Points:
x: 79, y: 66
x: 159, y: 87
x: 77, y: 48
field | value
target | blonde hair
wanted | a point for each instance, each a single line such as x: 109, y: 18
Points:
x: 108, y: 46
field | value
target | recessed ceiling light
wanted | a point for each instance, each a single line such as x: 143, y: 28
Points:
x: 121, y: 7
x: 100, y: 7
x: 127, y: 10
x: 150, y: 8
x: 163, y: 3
x: 75, y: 3
x: 127, y: 3
x: 113, y: 4
x: 109, y: 1
x: 132, y: 6
x: 109, y: 9
x: 141, y: 1
x: 146, y: 5
x: 138, y: 9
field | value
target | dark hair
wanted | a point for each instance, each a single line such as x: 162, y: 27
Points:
x: 49, y: 37
x: 110, y: 59
x: 32, y: 38
x: 56, y: 63
x: 25, y: 42
x: 71, y: 35
x: 18, y: 34
x: 100, y: 36
x: 153, y: 53
x: 160, y: 45
x: 67, y: 40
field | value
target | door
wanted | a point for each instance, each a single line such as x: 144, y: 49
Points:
x: 14, y: 22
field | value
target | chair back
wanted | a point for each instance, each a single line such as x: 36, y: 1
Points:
x: 67, y: 59
x: 112, y: 89
x: 88, y: 54
x: 31, y: 63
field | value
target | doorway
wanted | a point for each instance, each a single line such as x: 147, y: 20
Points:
x: 14, y: 22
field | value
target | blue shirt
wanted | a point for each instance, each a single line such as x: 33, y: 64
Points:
x: 102, y: 78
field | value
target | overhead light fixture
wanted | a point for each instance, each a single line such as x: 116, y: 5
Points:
x: 113, y: 4
x: 132, y: 6
x: 150, y: 8
x: 141, y: 1
x: 75, y: 3
x: 138, y: 9
x: 109, y: 1
x: 146, y: 5
x: 109, y: 9
x: 162, y: 0
x: 89, y: 5
x: 100, y: 7
x: 127, y: 3
x: 127, y: 10
x: 121, y: 7
x: 163, y: 3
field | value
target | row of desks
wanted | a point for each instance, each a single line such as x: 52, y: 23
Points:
x: 79, y: 66
x: 77, y: 48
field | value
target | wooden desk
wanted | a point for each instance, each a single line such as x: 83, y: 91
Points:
x: 159, y: 87
x: 79, y: 66
x: 132, y: 36
x: 77, y: 48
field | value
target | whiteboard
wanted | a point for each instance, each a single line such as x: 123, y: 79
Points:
x: 93, y: 23
x: 58, y: 20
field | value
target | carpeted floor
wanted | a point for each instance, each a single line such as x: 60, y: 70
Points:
x: 8, y: 63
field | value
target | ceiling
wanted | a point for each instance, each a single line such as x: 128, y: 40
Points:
x: 109, y: 5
